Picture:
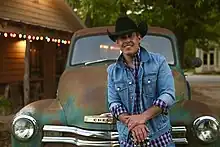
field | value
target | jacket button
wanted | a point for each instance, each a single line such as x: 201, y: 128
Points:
x: 148, y: 81
x: 118, y: 88
x: 130, y: 83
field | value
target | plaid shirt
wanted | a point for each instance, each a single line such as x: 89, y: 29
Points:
x: 164, y: 139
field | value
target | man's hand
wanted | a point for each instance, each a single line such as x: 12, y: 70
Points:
x: 123, y: 118
x: 135, y: 120
x: 140, y: 133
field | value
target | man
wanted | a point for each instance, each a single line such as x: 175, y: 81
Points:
x: 140, y: 89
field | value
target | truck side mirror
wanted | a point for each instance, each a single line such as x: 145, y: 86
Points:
x: 196, y: 62
x: 193, y: 62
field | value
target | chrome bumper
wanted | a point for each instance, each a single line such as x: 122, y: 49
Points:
x: 78, y: 142
x: 102, y: 138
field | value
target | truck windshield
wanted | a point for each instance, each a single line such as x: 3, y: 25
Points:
x: 100, y: 47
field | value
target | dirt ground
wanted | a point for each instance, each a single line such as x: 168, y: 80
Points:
x: 207, y: 93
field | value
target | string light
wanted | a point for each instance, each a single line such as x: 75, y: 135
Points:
x: 6, y: 34
x: 48, y: 39
x: 32, y: 37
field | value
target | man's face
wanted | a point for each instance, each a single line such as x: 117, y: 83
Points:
x: 129, y: 43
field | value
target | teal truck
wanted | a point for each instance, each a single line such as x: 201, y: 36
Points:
x: 79, y: 114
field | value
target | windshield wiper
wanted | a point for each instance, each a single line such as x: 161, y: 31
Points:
x: 98, y: 61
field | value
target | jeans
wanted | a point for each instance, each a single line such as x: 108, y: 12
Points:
x: 172, y: 144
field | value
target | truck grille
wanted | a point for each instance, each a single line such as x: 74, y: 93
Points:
x: 81, y: 137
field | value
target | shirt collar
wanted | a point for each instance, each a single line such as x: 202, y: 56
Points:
x: 136, y: 56
x: 142, y: 53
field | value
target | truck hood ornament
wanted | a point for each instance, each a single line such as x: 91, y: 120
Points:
x: 104, y: 118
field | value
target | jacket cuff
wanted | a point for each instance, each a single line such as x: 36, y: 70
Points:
x: 167, y: 98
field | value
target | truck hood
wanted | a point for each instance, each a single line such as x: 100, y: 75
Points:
x: 82, y: 92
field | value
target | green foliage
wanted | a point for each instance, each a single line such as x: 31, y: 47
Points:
x: 5, y: 106
x: 195, y: 21
x: 96, y: 12
x: 4, y: 102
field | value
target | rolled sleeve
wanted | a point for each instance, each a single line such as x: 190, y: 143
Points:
x: 117, y: 110
x: 114, y: 102
x: 167, y: 99
x: 162, y: 105
x: 166, y: 86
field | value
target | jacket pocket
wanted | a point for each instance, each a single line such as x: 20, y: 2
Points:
x: 149, y: 84
x: 122, y: 90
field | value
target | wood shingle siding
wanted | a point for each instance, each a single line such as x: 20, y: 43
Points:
x: 53, y: 14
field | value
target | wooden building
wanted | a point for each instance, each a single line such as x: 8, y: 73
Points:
x: 210, y: 60
x: 34, y: 37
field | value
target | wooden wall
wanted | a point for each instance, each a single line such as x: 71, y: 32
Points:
x: 11, y: 60
x: 12, y: 53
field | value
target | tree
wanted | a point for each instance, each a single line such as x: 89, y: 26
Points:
x: 189, y: 19
x: 97, y: 12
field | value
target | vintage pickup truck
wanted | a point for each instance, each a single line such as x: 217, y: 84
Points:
x: 79, y: 115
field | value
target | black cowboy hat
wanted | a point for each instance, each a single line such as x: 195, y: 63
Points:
x: 125, y: 25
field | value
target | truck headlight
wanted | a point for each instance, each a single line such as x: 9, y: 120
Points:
x: 24, y: 127
x: 206, y: 129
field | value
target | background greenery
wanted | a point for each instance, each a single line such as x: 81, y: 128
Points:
x: 196, y: 23
x: 5, y: 106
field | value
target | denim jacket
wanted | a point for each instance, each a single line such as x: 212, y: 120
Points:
x: 155, y: 81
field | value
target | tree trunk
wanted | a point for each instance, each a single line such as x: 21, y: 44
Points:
x: 27, y: 74
x: 88, y: 20
x: 181, y: 45
x: 181, y: 40
x: 123, y: 9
